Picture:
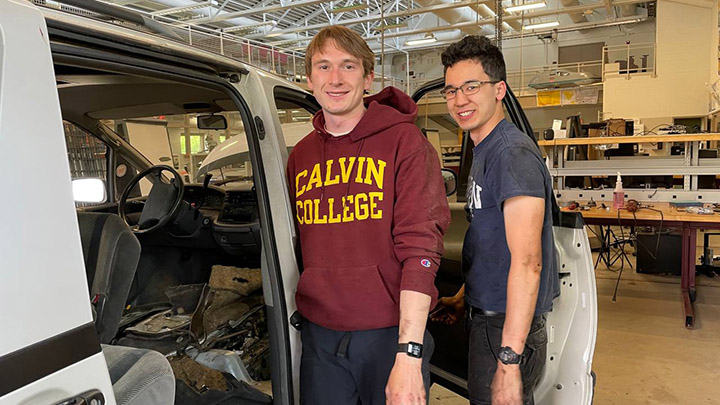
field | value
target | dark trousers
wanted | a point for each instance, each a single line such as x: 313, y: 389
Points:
x: 351, y: 368
x: 485, y: 332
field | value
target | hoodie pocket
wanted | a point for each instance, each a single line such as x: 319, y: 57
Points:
x: 347, y: 298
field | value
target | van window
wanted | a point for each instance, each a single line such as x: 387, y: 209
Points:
x: 87, y: 155
x: 230, y: 163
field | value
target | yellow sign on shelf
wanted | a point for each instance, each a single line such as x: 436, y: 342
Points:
x: 555, y: 97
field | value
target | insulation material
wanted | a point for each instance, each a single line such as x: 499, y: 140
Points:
x: 242, y: 281
x: 197, y: 376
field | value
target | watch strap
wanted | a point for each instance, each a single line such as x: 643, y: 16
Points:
x: 412, y: 349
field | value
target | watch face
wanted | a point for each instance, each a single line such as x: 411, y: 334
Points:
x: 415, y: 350
x: 504, y: 356
x: 507, y: 356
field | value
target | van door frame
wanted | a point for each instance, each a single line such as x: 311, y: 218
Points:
x: 147, y: 63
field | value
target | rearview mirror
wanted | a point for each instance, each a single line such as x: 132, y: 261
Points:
x: 88, y: 190
x: 215, y: 122
x: 451, y: 181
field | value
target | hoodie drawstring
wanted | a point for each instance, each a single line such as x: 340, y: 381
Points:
x: 357, y: 156
x: 324, y: 154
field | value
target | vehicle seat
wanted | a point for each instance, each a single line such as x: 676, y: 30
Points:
x: 140, y: 376
x: 111, y: 253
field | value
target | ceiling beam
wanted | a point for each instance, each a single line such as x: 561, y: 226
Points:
x: 487, y: 21
x: 260, y: 10
x: 467, y: 3
x: 375, y: 17
x: 182, y: 9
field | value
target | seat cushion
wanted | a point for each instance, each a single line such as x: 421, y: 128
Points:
x: 140, y: 376
x: 111, y: 253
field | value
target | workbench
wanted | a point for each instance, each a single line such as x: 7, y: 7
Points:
x: 671, y: 218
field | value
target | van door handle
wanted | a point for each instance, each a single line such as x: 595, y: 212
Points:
x: 92, y: 397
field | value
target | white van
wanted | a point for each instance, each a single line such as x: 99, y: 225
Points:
x: 189, y: 287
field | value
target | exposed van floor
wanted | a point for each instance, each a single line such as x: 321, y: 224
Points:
x: 644, y: 353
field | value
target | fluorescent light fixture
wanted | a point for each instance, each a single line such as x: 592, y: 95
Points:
x: 182, y: 9
x: 390, y: 26
x: 351, y: 7
x: 541, y: 25
x: 274, y: 34
x: 427, y: 39
x: 249, y: 27
x: 525, y: 7
x: 489, y: 10
x: 288, y: 42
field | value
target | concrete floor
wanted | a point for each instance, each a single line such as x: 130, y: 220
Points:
x: 644, y: 354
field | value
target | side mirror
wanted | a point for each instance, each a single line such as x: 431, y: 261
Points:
x: 215, y: 122
x: 89, y: 190
x: 451, y: 181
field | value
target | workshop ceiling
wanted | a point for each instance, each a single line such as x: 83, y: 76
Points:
x: 291, y: 24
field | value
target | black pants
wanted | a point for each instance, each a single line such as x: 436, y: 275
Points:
x: 485, y: 332
x: 351, y: 368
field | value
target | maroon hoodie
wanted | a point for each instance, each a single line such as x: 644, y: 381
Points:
x: 371, y: 210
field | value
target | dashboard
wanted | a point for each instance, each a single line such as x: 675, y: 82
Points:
x: 231, y: 214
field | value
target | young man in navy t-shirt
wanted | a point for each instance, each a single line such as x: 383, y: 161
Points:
x: 509, y: 260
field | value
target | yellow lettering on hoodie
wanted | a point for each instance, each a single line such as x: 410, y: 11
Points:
x: 299, y: 207
x: 361, y: 209
x: 308, y: 206
x: 299, y: 191
x: 328, y: 173
x: 358, y: 178
x: 346, y: 170
x: 377, y: 172
x: 374, y: 198
x: 347, y: 214
x: 331, y: 209
x: 315, y: 178
x: 318, y: 219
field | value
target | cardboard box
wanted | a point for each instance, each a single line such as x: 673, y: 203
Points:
x: 615, y: 127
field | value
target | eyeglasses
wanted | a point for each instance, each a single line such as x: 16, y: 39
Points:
x: 467, y: 89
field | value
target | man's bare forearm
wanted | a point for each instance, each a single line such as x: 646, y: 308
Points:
x: 522, y: 292
x: 414, y: 308
x: 523, y: 225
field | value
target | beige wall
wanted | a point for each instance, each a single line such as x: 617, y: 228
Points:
x: 686, y: 35
x: 715, y: 58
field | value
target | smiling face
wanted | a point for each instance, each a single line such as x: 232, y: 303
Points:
x: 479, y: 112
x: 338, y: 82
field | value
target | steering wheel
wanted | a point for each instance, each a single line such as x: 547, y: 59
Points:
x: 161, y: 205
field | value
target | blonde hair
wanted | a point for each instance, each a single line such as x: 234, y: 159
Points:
x: 345, y: 39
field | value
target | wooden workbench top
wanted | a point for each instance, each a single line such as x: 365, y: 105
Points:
x: 668, y: 213
x: 601, y: 140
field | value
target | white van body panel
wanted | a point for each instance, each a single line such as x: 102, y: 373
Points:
x: 62, y: 385
x: 40, y: 228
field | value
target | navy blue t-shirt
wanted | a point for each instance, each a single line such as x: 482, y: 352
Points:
x: 505, y: 164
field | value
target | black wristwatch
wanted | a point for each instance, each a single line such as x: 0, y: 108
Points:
x: 507, y: 356
x: 412, y: 349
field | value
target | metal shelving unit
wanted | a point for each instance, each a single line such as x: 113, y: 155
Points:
x: 690, y: 166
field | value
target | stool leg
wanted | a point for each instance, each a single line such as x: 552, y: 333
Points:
x: 617, y: 283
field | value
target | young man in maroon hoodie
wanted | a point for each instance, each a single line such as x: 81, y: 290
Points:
x: 371, y: 211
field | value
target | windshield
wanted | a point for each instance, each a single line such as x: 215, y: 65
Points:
x: 230, y: 160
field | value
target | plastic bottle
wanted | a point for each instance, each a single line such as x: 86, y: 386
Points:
x: 618, y: 194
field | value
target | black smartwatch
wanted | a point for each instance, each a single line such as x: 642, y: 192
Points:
x: 507, y: 356
x: 412, y: 349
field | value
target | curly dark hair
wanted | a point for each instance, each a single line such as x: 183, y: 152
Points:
x: 479, y: 49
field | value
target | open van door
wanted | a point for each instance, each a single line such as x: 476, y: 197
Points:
x: 571, y: 326
x: 49, y: 350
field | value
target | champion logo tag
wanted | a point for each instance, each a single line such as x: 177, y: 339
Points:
x: 425, y: 263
